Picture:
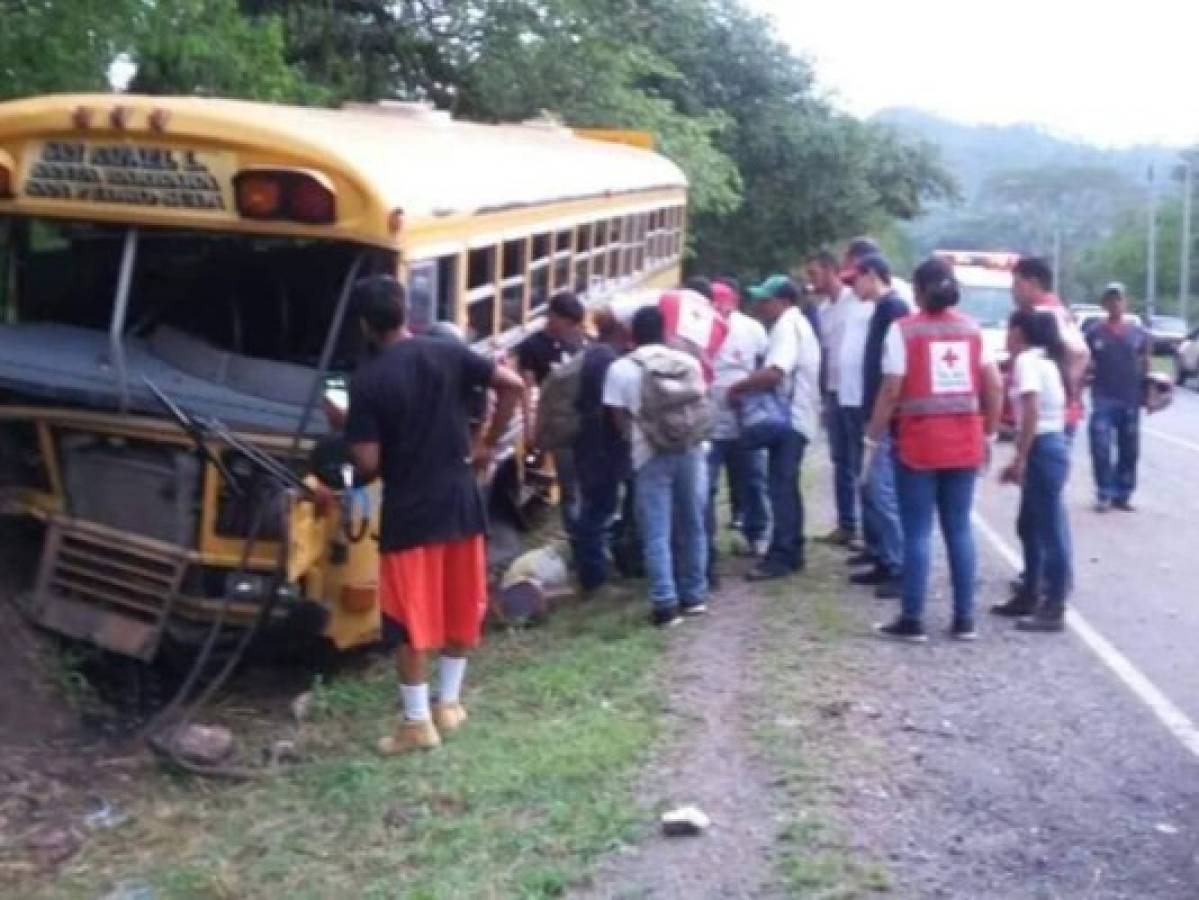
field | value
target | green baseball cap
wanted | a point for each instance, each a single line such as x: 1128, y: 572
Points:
x: 775, y: 286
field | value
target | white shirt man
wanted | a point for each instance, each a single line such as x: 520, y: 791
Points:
x: 739, y: 355
x: 852, y: 353
x: 835, y: 314
x: 622, y: 390
x: 794, y: 350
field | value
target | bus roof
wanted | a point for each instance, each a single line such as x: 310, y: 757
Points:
x: 396, y: 156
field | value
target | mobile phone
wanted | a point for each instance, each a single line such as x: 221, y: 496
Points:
x: 338, y: 397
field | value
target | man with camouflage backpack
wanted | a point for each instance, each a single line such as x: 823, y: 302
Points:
x: 658, y: 397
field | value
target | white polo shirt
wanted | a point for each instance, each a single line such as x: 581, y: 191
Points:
x: 834, y: 315
x: 851, y: 359
x: 794, y: 350
x: 737, y: 358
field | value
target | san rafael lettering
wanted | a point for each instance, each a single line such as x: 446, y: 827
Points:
x: 138, y: 176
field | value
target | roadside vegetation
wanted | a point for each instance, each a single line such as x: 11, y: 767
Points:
x: 518, y: 804
x: 723, y: 97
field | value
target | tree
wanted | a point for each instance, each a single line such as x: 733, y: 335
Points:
x: 179, y: 46
x: 774, y: 171
x: 60, y: 45
x: 207, y: 47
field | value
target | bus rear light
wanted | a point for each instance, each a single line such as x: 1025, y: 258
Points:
x: 259, y: 196
x: 82, y: 117
x: 311, y: 201
x: 395, y: 221
x: 5, y: 183
x: 285, y: 195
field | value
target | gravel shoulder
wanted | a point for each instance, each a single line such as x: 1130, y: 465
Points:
x: 838, y: 765
x: 708, y: 762
x: 1015, y: 767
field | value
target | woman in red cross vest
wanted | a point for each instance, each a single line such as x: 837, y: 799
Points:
x: 942, y: 398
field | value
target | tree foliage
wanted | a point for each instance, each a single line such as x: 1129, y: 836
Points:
x: 774, y: 171
x: 59, y: 45
x: 209, y: 47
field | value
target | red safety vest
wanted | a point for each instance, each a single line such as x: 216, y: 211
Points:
x: 939, y: 424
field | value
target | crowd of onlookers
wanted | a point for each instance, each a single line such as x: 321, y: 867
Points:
x: 647, y: 402
x: 910, y: 398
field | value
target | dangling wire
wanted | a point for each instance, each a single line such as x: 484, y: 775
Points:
x: 255, y: 530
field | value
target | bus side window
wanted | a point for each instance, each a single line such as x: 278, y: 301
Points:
x: 422, y: 295
x: 563, y: 251
x: 599, y: 256
x: 539, y: 274
x: 582, y: 260
x: 447, y: 289
x: 480, y: 293
x: 512, y: 307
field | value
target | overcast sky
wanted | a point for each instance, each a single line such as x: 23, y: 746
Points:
x: 1112, y: 72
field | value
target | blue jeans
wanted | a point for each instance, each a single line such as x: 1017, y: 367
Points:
x: 598, y: 501
x: 951, y: 493
x: 672, y: 491
x: 784, y: 458
x: 1042, y: 524
x: 747, y: 480
x: 1110, y: 420
x: 568, y: 489
x: 880, y: 508
x: 845, y: 450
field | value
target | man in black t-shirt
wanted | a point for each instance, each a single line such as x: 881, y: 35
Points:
x: 536, y: 356
x: 558, y: 340
x: 408, y: 423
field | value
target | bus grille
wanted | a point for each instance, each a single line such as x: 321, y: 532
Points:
x: 108, y: 587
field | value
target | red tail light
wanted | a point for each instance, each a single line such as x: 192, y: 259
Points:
x: 5, y: 183
x: 311, y: 201
x: 282, y: 195
x: 259, y: 196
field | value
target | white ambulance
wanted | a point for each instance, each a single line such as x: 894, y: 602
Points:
x: 985, y: 280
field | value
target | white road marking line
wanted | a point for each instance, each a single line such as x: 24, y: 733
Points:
x: 1170, y: 439
x: 1176, y: 721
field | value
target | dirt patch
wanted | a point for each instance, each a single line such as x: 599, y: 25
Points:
x: 710, y: 762
x: 32, y: 707
x: 58, y: 783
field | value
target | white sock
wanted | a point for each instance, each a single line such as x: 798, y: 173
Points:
x: 452, y: 670
x: 414, y: 698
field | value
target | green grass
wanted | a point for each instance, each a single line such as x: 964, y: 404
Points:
x: 1162, y: 364
x: 809, y: 678
x: 518, y: 804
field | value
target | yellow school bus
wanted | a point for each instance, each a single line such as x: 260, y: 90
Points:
x: 169, y: 262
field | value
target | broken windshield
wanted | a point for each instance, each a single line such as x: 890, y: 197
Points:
x: 267, y: 298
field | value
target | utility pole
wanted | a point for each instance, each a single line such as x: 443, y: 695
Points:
x: 1184, y: 254
x: 1151, y: 264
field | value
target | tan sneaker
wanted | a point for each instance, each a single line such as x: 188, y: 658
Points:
x: 449, y: 716
x: 410, y: 736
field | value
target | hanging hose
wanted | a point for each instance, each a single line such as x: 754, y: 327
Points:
x: 193, y: 676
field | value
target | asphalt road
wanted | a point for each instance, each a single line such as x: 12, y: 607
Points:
x: 1137, y: 574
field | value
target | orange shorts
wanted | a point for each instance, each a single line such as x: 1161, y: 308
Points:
x: 437, y: 592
